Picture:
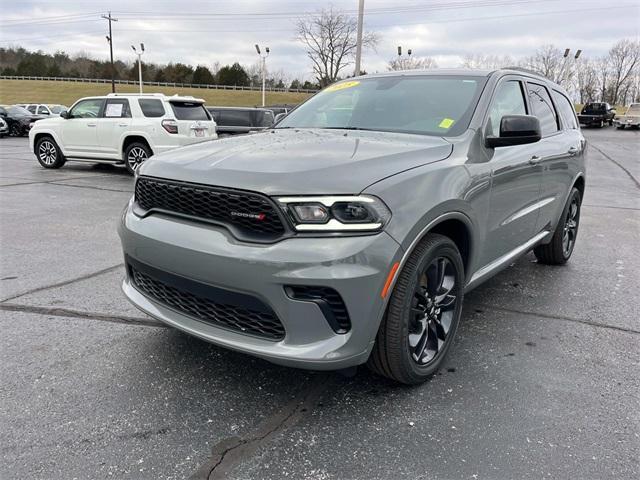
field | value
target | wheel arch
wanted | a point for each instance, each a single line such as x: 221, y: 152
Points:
x: 579, y: 183
x: 134, y: 138
x: 46, y: 133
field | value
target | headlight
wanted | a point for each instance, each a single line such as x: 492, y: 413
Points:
x: 338, y: 213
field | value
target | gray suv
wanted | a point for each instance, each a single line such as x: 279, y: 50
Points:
x: 349, y: 233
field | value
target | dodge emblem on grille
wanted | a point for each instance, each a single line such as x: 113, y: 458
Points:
x: 255, y: 216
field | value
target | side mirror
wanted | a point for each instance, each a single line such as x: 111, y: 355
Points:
x: 64, y: 114
x: 279, y: 117
x: 516, y: 130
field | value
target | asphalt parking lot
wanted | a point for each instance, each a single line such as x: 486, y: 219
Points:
x: 542, y: 382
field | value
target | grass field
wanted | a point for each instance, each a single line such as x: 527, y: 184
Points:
x: 65, y: 93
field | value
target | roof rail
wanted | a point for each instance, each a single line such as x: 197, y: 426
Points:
x: 524, y: 70
x: 135, y: 94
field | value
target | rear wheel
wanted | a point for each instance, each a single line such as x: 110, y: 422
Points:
x: 135, y: 155
x: 48, y: 153
x: 423, y: 313
x: 560, y: 248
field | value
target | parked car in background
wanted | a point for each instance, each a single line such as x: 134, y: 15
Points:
x: 121, y: 128
x: 238, y: 120
x: 58, y: 109
x: 597, y: 114
x: 4, y: 128
x: 19, y: 119
x: 631, y: 118
x: 349, y: 233
x: 38, y: 109
x: 282, y: 108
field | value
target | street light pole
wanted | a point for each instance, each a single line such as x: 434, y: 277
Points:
x: 139, y: 54
x: 359, y: 37
x: 264, y: 70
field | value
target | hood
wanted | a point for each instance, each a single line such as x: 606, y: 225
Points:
x: 299, y: 161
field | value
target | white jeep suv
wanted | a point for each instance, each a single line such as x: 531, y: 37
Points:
x: 121, y: 128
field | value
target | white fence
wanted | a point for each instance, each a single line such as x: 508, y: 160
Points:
x: 158, y: 84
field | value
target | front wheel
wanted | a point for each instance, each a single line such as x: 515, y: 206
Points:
x: 15, y: 130
x: 601, y: 124
x: 48, y: 153
x: 423, y: 313
x: 135, y: 155
x: 559, y: 249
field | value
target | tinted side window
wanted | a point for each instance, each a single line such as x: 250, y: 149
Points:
x: 31, y: 108
x: 87, y: 108
x: 118, y: 108
x: 567, y: 112
x: 189, y: 111
x: 509, y: 100
x: 543, y: 108
x: 42, y: 110
x: 151, y: 107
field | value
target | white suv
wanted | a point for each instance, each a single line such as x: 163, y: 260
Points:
x: 121, y: 128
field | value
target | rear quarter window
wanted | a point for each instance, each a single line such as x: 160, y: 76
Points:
x: 151, y: 107
x: 567, y: 112
x: 189, y: 111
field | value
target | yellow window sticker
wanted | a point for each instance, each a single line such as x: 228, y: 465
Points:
x: 446, y: 123
x: 341, y: 86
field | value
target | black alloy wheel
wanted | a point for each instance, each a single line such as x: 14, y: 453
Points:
x: 432, y: 310
x: 570, y: 230
x: 15, y: 130
x: 423, y: 313
x: 559, y: 249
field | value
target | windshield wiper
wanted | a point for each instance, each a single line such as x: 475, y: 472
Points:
x: 350, y: 128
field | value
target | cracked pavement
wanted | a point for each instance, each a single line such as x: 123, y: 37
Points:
x: 542, y: 381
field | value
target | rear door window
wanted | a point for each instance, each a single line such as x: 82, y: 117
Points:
x: 151, y: 107
x: 567, y: 112
x: 542, y: 107
x: 189, y: 111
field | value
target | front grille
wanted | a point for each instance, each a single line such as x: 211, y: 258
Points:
x: 329, y: 301
x: 249, y: 215
x: 219, y: 307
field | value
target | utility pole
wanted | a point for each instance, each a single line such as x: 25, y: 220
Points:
x: 264, y: 70
x: 110, y: 40
x: 359, y: 38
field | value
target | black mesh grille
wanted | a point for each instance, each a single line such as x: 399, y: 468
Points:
x: 199, y: 301
x: 329, y: 301
x: 248, y: 214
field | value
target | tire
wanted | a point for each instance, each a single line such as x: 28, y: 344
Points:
x: 408, y: 346
x: 601, y: 124
x: 611, y: 123
x: 135, y: 155
x: 48, y: 153
x: 559, y: 249
x: 620, y: 127
x: 15, y: 130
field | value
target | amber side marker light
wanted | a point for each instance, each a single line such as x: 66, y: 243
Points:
x: 387, y: 284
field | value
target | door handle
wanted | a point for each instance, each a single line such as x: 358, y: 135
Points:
x: 572, y: 151
x: 122, y: 125
x: 92, y: 124
x: 535, y: 160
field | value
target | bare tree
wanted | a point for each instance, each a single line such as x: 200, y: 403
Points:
x: 547, y: 61
x: 586, y: 81
x: 624, y: 60
x: 479, y: 60
x: 412, y: 63
x: 330, y: 40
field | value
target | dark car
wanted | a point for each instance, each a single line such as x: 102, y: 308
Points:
x: 237, y: 120
x: 598, y: 113
x: 19, y: 119
x: 282, y: 108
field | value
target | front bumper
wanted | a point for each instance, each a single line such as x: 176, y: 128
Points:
x: 356, y: 267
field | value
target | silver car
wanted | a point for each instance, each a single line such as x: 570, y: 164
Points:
x: 349, y: 233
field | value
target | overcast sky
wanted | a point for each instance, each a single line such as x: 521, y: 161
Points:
x: 203, y: 32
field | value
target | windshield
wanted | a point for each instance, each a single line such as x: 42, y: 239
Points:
x: 419, y: 104
x: 18, y: 111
